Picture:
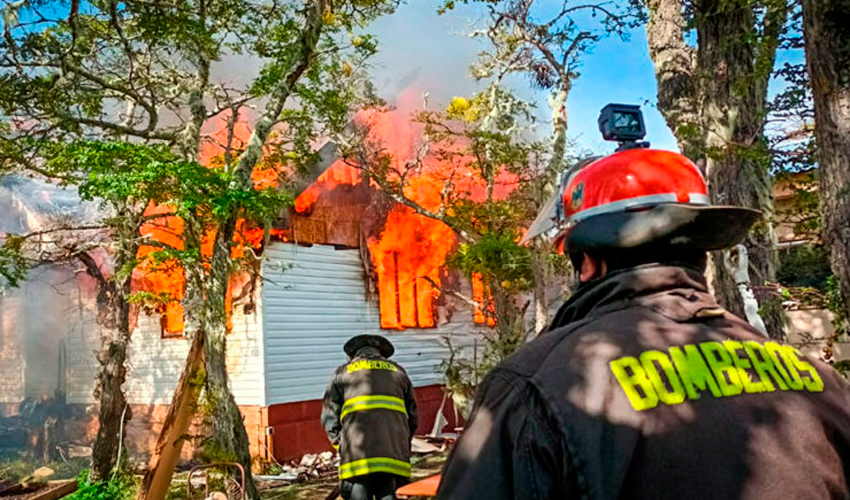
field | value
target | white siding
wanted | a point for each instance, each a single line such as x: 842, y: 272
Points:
x: 11, y: 350
x: 82, y: 343
x: 155, y: 363
x: 314, y: 301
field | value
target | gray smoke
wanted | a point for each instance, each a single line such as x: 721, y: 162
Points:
x: 34, y: 317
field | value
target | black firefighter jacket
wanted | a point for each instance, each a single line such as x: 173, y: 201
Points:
x: 644, y: 388
x: 369, y: 414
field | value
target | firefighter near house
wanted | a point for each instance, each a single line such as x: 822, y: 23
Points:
x: 369, y: 414
x: 643, y: 386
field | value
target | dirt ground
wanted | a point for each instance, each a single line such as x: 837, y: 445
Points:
x: 319, y: 489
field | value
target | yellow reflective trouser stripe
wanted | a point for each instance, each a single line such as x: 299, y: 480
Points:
x: 361, y: 403
x: 371, y: 465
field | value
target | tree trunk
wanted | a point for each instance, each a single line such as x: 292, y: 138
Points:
x: 113, y: 373
x: 228, y: 441
x: 174, y: 430
x: 113, y: 317
x: 542, y: 266
x: 736, y: 161
x: 558, y: 105
x: 827, y: 34
x: 674, y: 62
x: 714, y: 101
x: 206, y: 290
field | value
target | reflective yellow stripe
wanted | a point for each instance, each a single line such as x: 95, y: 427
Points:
x: 371, y: 364
x: 371, y: 465
x: 372, y: 403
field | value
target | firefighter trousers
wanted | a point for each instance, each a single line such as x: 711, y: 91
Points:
x: 376, y: 486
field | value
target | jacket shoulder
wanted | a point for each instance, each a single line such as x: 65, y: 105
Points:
x: 531, y: 357
x: 341, y: 369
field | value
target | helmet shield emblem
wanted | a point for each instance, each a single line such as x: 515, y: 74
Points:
x: 577, y: 197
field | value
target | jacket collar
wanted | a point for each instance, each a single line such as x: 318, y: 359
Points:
x: 676, y: 292
x: 368, y: 352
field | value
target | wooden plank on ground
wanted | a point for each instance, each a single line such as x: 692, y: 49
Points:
x: 55, y: 490
x: 174, y: 430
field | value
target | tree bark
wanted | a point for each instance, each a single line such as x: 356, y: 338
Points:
x: 112, y: 358
x: 114, y: 319
x: 826, y: 27
x: 229, y: 440
x: 184, y: 403
x: 675, y: 62
x: 540, y: 250
x: 714, y: 100
x: 542, y: 270
x: 733, y: 94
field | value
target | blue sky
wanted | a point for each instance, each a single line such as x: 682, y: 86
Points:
x: 432, y: 50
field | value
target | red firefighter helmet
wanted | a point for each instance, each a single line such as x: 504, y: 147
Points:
x: 639, y: 197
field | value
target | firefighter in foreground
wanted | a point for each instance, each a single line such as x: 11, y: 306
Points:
x: 643, y: 386
x: 369, y: 414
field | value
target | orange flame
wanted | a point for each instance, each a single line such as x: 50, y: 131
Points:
x: 484, y: 308
x: 167, y: 279
x: 339, y: 173
x: 410, y: 250
x: 408, y: 256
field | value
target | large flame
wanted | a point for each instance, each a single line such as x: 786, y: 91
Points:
x: 408, y: 255
x: 165, y: 279
x: 409, y: 250
x: 339, y: 173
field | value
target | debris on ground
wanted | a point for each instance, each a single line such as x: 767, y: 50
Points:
x: 310, y: 467
x: 38, y: 491
x: 79, y: 451
x: 312, y: 488
x: 43, y: 474
x: 423, y: 447
x: 36, y: 428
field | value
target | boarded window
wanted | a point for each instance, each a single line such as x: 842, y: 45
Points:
x: 407, y: 295
x: 171, y: 320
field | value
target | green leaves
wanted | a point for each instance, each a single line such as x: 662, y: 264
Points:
x: 13, y: 265
x: 496, y: 256
x: 117, y: 487
x: 128, y: 175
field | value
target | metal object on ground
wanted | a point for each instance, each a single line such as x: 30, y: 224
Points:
x: 202, y: 468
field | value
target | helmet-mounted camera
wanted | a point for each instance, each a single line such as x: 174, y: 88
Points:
x: 623, y: 123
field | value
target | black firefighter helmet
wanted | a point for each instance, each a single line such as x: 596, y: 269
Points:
x: 354, y: 344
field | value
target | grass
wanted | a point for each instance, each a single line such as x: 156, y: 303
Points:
x: 16, y: 467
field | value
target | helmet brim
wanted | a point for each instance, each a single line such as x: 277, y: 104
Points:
x: 544, y: 222
x: 384, y: 346
x: 671, y: 224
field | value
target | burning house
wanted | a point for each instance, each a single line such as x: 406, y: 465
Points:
x: 344, y: 261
